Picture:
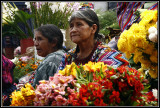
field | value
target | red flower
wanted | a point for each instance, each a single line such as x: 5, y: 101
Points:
x: 107, y: 84
x: 114, y: 97
x: 99, y: 102
x: 122, y: 69
x: 131, y: 80
x: 109, y: 73
x: 138, y: 86
x: 150, y: 97
x: 122, y: 86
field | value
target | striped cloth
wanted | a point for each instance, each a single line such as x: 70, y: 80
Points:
x: 125, y: 14
x: 153, y: 7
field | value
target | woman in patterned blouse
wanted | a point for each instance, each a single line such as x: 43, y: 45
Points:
x: 84, y: 28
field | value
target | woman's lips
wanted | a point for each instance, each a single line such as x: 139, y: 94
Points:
x: 38, y: 50
x: 74, y: 35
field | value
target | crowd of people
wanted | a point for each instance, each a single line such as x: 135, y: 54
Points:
x: 48, y: 40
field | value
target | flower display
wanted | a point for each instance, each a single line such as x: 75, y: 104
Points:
x: 141, y: 40
x: 24, y: 97
x: 94, y: 84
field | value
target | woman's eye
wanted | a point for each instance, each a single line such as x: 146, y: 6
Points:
x: 79, y: 24
x: 71, y: 26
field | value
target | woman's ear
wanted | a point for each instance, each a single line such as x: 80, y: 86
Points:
x: 54, y: 43
x: 94, y: 26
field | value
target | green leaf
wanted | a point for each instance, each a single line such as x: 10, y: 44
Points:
x: 113, y: 77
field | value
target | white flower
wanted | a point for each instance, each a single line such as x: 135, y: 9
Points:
x: 153, y: 37
x: 154, y: 91
x: 27, y: 4
x: 152, y: 34
x: 15, y: 60
x: 152, y: 30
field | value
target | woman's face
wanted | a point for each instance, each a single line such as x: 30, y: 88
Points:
x: 43, y: 46
x: 80, y: 31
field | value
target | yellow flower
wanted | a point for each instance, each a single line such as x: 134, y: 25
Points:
x: 17, y: 98
x: 149, y: 48
x: 137, y: 56
x: 89, y: 67
x: 128, y: 54
x: 99, y: 65
x: 145, y: 63
x: 69, y: 70
x: 122, y: 46
x: 24, y: 97
x: 141, y: 70
x: 62, y: 72
x: 74, y: 72
x: 153, y: 73
x: 154, y: 56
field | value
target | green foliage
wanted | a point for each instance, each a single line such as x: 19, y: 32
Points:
x: 45, y: 15
x: 8, y: 30
x: 107, y: 19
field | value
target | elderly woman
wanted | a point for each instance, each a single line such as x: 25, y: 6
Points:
x: 84, y: 28
x: 48, y: 42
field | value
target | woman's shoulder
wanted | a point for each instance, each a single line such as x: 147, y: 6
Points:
x: 55, y: 56
x: 109, y: 55
x: 103, y: 47
x: 59, y: 53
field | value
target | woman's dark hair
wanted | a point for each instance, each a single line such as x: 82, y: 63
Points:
x: 88, y: 16
x: 52, y: 33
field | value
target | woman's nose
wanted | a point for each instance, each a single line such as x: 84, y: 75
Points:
x: 73, y: 29
x: 35, y: 42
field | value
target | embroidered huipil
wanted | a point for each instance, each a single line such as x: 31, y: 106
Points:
x: 100, y: 53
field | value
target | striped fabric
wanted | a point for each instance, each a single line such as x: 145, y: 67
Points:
x: 125, y: 14
x: 153, y: 7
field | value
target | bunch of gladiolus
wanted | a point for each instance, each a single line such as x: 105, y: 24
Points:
x: 24, y: 97
x: 95, y: 84
x: 141, y: 40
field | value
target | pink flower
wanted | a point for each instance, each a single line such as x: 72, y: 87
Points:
x: 61, y: 100
x: 25, y: 58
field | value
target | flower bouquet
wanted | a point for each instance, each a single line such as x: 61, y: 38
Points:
x: 24, y: 65
x: 94, y: 84
x: 140, y: 40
